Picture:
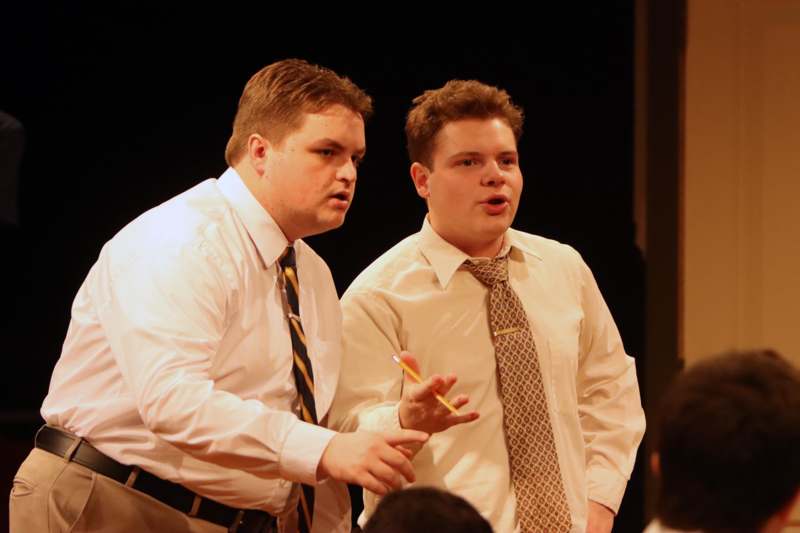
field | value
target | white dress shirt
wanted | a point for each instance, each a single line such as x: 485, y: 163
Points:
x: 418, y: 297
x: 178, y: 354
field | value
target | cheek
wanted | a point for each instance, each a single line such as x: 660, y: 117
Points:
x: 452, y: 192
x: 310, y: 183
x: 518, y: 183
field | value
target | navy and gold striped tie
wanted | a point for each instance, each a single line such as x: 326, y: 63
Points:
x: 303, y: 373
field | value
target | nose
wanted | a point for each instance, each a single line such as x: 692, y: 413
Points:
x: 494, y: 175
x: 347, y: 172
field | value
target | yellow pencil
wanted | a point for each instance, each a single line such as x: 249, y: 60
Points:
x: 418, y: 379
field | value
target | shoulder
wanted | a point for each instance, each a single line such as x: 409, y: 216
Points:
x: 389, y: 267
x: 193, y: 224
x: 545, y: 248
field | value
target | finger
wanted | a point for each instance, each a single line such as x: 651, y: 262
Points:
x: 460, y: 401
x: 447, y: 384
x: 462, y: 419
x: 405, y: 451
x: 399, y: 463
x: 387, y: 474
x: 404, y: 436
x: 371, y: 483
x: 406, y: 470
x: 427, y: 389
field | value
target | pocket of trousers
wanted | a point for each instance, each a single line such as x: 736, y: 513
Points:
x: 24, y: 511
x: 21, y: 488
x: 30, y: 475
x: 69, y: 497
x: 32, y: 505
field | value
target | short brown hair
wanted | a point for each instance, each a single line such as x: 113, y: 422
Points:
x: 457, y: 100
x: 425, y: 509
x: 276, y: 97
x: 728, y: 441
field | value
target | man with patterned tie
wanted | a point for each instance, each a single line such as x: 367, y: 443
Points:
x: 204, y: 346
x: 517, y: 317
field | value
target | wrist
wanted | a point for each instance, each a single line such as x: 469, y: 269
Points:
x: 323, y: 471
x: 402, y: 415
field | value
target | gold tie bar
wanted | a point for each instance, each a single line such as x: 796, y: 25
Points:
x: 505, y: 331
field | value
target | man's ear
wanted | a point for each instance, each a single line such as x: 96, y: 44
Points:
x: 420, y: 174
x: 258, y: 152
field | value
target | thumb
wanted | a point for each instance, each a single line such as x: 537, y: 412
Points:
x: 411, y: 361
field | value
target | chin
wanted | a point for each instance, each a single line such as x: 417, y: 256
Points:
x: 486, y: 234
x: 333, y: 223
x: 496, y: 228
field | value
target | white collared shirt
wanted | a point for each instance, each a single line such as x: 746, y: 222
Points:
x: 418, y: 297
x: 178, y: 354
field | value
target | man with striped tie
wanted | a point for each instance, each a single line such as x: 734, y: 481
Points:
x: 203, y: 349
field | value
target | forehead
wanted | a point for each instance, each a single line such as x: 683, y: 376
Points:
x: 491, y: 135
x: 336, y: 122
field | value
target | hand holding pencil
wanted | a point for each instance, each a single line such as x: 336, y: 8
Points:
x: 424, y: 406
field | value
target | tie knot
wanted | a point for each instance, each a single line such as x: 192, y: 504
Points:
x: 287, y: 258
x: 489, y: 272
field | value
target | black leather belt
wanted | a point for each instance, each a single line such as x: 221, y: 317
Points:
x: 176, y: 496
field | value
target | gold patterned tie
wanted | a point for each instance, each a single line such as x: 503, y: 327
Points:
x: 303, y: 373
x: 541, y: 500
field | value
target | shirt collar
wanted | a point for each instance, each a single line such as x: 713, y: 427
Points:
x: 445, y: 258
x: 262, y: 228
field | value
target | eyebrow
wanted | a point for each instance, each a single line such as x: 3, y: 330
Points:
x: 339, y: 146
x: 481, y: 154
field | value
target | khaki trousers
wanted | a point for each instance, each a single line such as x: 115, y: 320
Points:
x: 51, y: 495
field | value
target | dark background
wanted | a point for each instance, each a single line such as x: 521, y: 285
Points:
x: 124, y: 110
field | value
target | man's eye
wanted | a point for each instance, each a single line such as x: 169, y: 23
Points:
x: 356, y: 161
x: 325, y: 152
x: 467, y: 162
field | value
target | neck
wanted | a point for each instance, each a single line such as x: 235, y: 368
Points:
x: 258, y: 187
x: 471, y: 245
x: 489, y: 249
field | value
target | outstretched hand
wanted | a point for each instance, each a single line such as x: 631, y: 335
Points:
x: 420, y: 409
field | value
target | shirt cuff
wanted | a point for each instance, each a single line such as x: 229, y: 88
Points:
x: 606, y: 487
x: 385, y: 417
x: 302, y: 451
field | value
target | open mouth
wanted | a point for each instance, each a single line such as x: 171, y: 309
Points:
x: 496, y: 204
x: 341, y: 196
